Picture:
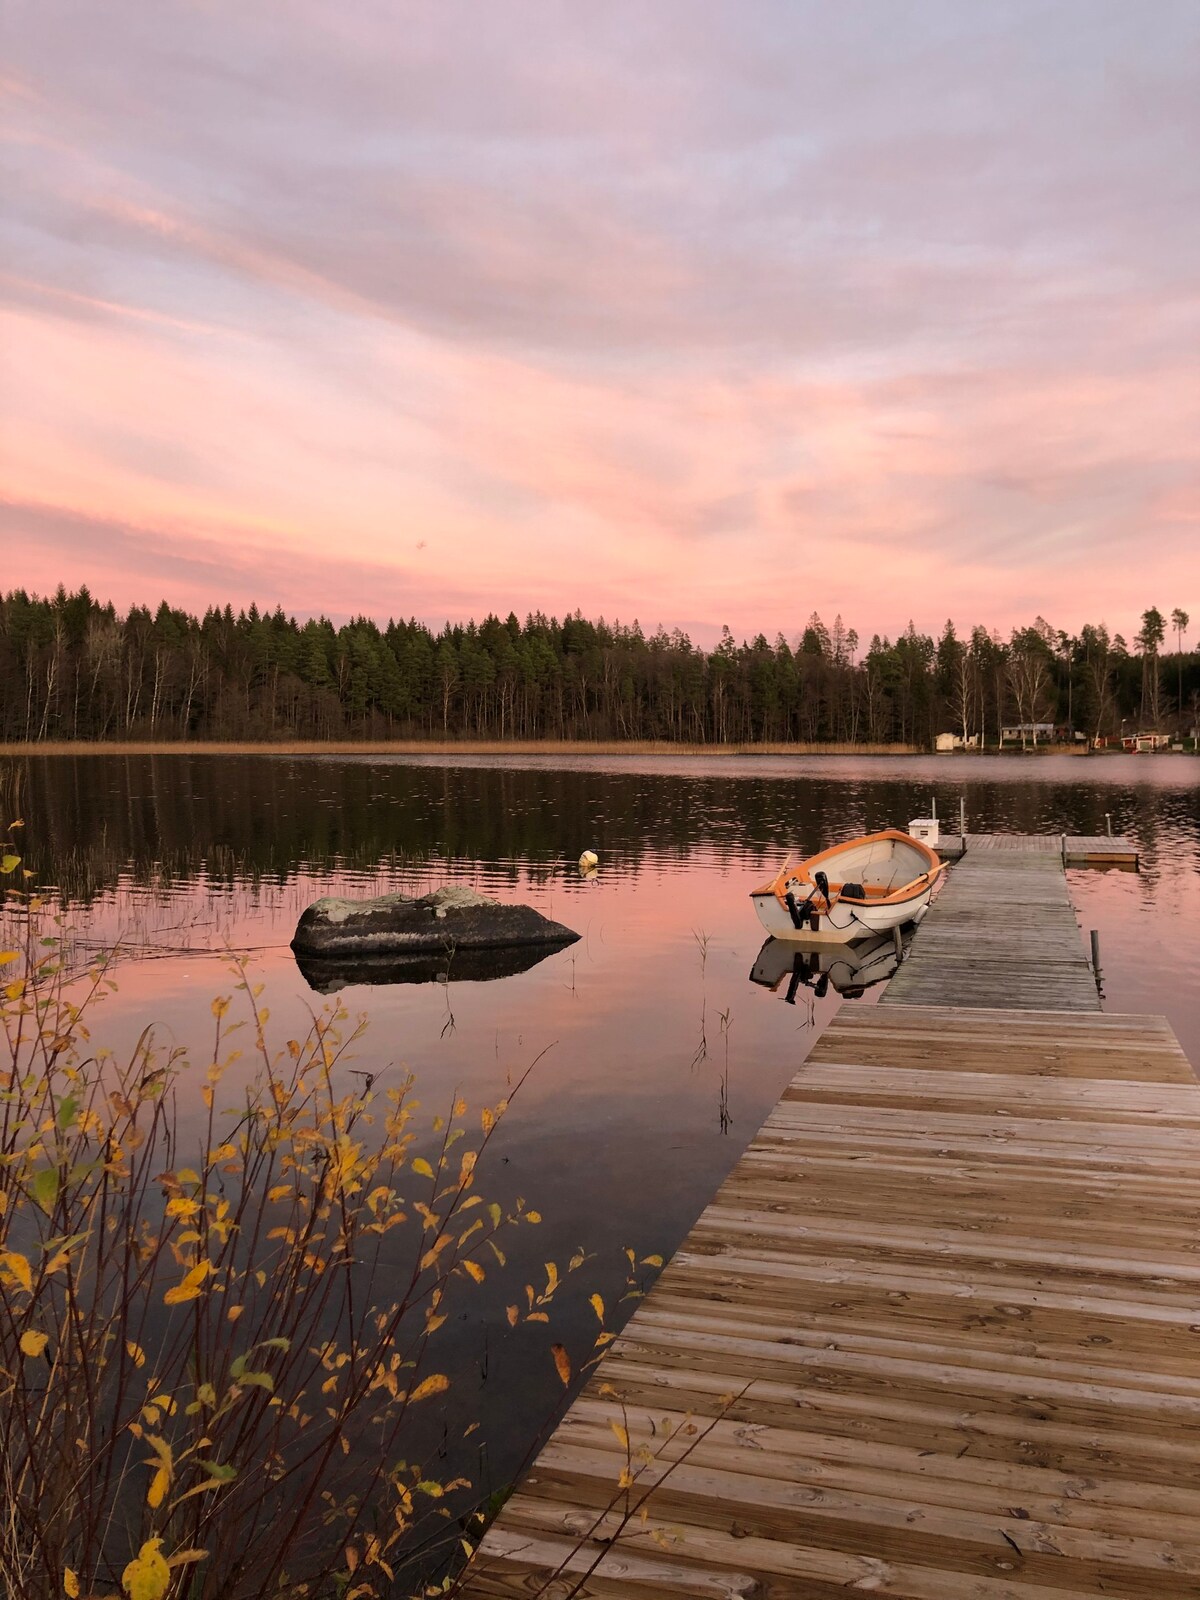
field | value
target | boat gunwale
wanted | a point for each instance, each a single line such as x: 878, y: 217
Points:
x: 804, y: 871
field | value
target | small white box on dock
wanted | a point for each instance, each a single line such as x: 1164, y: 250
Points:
x: 925, y: 829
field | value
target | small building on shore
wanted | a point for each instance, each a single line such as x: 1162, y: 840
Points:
x: 1025, y: 733
x: 1145, y: 742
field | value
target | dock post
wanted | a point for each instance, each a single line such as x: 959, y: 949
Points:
x: 1096, y: 956
x: 962, y: 816
x: 1064, y: 849
x: 1108, y: 823
x: 898, y: 942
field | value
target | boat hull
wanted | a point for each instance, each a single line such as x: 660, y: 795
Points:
x: 855, y: 890
x: 844, y: 923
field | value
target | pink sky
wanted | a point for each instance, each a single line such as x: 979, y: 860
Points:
x: 701, y: 315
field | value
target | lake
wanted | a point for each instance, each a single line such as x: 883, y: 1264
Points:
x: 657, y: 1055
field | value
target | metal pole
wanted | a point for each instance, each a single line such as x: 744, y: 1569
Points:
x: 1096, y: 956
x: 1108, y: 823
x: 962, y: 816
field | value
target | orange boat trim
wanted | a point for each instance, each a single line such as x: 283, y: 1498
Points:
x: 803, y: 872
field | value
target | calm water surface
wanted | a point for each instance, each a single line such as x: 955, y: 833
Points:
x: 661, y: 1057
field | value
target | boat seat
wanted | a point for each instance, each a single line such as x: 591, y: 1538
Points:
x: 861, y: 891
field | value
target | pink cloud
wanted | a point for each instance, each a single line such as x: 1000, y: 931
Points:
x: 665, y: 317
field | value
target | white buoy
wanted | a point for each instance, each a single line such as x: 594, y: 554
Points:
x: 588, y: 860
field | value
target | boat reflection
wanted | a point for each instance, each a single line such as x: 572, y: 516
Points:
x: 849, y: 969
x: 328, y: 974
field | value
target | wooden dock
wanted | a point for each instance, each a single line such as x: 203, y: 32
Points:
x: 1001, y: 933
x: 938, y: 1335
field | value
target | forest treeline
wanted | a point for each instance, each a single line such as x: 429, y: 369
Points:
x: 72, y: 667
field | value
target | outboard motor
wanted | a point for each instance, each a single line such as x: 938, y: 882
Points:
x: 799, y: 916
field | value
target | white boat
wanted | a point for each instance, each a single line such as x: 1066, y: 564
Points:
x: 849, y: 969
x: 863, y: 887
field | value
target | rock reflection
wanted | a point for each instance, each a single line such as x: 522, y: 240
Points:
x: 328, y: 974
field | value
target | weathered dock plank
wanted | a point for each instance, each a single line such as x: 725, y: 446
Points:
x: 937, y: 1337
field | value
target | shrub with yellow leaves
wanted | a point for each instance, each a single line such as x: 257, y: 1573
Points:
x: 215, y: 1330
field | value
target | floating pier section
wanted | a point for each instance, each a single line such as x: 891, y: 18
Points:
x: 938, y: 1335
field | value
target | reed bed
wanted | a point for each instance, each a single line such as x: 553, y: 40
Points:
x: 435, y: 747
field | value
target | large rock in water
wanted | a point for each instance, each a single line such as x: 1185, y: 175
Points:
x: 448, y: 919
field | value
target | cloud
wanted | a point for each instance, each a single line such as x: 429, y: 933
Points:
x: 678, y: 311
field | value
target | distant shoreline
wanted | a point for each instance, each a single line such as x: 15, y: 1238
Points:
x: 493, y: 747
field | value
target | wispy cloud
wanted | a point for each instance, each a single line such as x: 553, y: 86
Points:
x: 708, y: 314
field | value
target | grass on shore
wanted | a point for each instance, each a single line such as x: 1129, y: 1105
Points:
x: 462, y: 747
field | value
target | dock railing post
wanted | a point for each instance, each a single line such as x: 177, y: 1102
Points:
x: 1108, y: 823
x: 962, y: 816
x: 1095, y: 936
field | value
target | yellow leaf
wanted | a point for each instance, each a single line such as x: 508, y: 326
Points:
x: 621, y: 1434
x: 513, y: 1314
x: 652, y: 1261
x: 562, y: 1362
x: 181, y: 1558
x: 438, y: 1384
x: 220, y: 1006
x: 135, y: 1353
x: 475, y: 1270
x: 181, y: 1206
x: 16, y: 1265
x: 420, y: 1165
x: 597, y: 1306
x: 159, y: 1485
x: 8, y: 955
x: 32, y: 1344
x: 191, y: 1286
x: 625, y: 1481
x: 551, y: 1277
x: 70, y: 1583
x: 533, y: 1216
x: 147, y: 1575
